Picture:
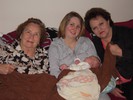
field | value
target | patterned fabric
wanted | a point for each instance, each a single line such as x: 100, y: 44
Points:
x: 23, y: 63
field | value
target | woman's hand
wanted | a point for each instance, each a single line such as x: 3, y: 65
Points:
x: 93, y: 61
x: 115, y: 50
x: 118, y: 93
x: 6, y: 68
x: 63, y: 66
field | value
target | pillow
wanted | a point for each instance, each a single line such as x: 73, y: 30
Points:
x: 50, y: 32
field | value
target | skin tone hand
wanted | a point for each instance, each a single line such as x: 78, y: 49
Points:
x: 93, y: 61
x: 6, y: 68
x: 63, y: 66
x: 115, y: 50
x: 118, y: 93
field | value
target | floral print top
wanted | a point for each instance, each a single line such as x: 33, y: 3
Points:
x: 13, y: 54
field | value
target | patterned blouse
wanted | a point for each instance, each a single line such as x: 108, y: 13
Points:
x: 13, y: 54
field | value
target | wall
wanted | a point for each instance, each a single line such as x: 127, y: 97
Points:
x: 51, y: 12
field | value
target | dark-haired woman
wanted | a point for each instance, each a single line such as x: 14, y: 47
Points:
x: 99, y: 22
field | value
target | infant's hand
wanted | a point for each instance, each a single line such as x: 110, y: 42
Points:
x: 63, y: 66
x: 93, y: 61
x: 6, y: 68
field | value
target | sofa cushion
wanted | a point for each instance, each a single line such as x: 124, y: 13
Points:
x: 125, y: 23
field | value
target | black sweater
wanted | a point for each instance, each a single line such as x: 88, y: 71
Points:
x: 123, y: 37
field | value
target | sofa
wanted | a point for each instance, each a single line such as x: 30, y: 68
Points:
x: 52, y: 33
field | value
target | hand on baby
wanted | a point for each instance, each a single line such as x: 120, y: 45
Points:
x: 93, y: 61
x: 63, y: 66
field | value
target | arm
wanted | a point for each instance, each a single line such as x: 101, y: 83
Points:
x: 54, y: 60
x: 125, y: 55
x: 92, y: 54
x: 63, y: 66
x: 88, y: 52
x: 118, y: 93
x: 6, y: 68
x: 91, y: 49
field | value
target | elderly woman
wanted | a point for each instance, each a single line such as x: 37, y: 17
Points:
x: 24, y: 55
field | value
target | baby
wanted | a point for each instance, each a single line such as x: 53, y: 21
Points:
x: 93, y: 61
x: 83, y: 83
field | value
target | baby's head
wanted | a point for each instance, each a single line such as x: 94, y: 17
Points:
x: 77, y: 61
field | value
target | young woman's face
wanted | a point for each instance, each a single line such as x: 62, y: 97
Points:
x: 73, y: 28
x: 30, y: 37
x: 100, y: 27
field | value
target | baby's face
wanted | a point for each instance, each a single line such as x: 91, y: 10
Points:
x: 77, y: 62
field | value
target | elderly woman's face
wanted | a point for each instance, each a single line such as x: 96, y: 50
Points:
x: 30, y: 37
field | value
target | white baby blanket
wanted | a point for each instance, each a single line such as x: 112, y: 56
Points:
x: 82, y: 84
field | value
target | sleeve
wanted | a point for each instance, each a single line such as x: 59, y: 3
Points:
x: 3, y: 54
x: 126, y: 61
x: 45, y: 62
x: 54, y: 60
x: 91, y: 49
